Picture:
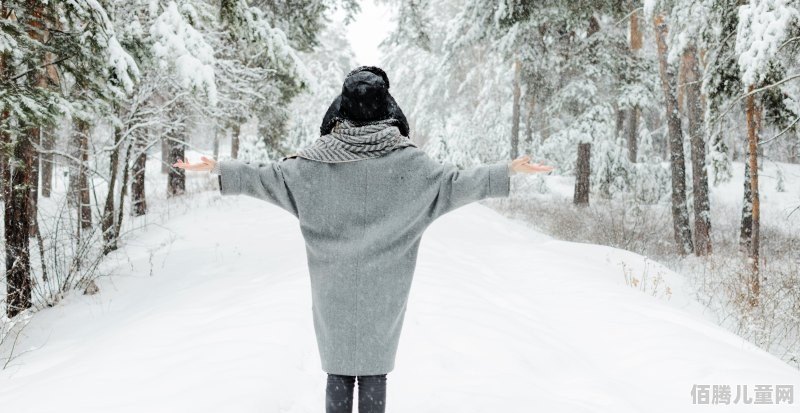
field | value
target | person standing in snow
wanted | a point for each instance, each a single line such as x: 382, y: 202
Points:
x: 363, y: 194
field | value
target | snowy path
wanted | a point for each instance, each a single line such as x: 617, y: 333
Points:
x: 500, y: 318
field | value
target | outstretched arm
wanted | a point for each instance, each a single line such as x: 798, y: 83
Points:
x: 458, y: 187
x: 263, y: 180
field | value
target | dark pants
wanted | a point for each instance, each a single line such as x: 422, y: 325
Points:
x: 371, y: 394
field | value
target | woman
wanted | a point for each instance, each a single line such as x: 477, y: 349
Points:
x: 363, y: 193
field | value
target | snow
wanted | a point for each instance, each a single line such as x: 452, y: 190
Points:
x: 7, y: 43
x: 648, y: 9
x: 726, y: 197
x: 687, y: 22
x: 123, y: 64
x: 776, y: 206
x: 763, y: 25
x: 211, y: 311
x: 180, y: 47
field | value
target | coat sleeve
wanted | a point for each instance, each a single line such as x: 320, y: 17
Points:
x: 459, y: 187
x: 262, y: 180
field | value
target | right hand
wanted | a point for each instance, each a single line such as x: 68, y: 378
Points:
x: 522, y: 165
x: 206, y: 164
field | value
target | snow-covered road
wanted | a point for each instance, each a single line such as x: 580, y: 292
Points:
x: 211, y: 312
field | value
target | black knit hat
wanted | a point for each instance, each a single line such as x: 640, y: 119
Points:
x: 365, y: 98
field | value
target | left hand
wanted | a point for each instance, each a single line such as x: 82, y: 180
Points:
x: 206, y: 164
x: 523, y: 165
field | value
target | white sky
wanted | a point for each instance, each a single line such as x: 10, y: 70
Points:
x: 369, y: 28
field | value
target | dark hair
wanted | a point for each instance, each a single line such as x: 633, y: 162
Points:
x: 376, y: 90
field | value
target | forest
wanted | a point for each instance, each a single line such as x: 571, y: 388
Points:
x: 672, y: 125
x: 653, y: 110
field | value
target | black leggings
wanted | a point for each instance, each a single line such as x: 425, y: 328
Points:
x: 371, y: 394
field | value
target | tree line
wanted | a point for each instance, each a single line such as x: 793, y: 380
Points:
x: 610, y: 91
x: 92, y: 86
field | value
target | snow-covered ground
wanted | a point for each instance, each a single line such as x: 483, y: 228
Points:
x: 779, y: 193
x: 211, y: 312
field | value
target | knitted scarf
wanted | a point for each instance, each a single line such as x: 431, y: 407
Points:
x: 350, y: 141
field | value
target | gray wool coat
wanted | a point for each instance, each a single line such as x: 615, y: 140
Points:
x: 362, y: 222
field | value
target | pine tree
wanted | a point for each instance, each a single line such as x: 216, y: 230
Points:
x: 696, y: 118
x: 632, y: 130
x: 764, y: 54
x: 680, y: 213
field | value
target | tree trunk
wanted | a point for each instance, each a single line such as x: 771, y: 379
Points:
x: 746, y: 227
x: 544, y: 128
x: 515, y: 112
x: 583, y: 166
x: 176, y: 180
x: 680, y: 212
x: 752, y: 138
x: 84, y: 196
x: 635, y: 31
x: 18, y: 176
x: 138, y: 198
x: 165, y: 148
x: 632, y: 132
x: 38, y: 79
x: 17, y: 225
x: 235, y: 140
x: 17, y: 173
x: 73, y: 192
x: 530, y: 104
x: 681, y: 88
x: 123, y: 189
x: 33, y: 196
x: 5, y: 142
x: 695, y: 114
x: 107, y: 223
x: 48, y: 143
x: 582, y: 171
x: 216, y: 143
x: 5, y: 139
